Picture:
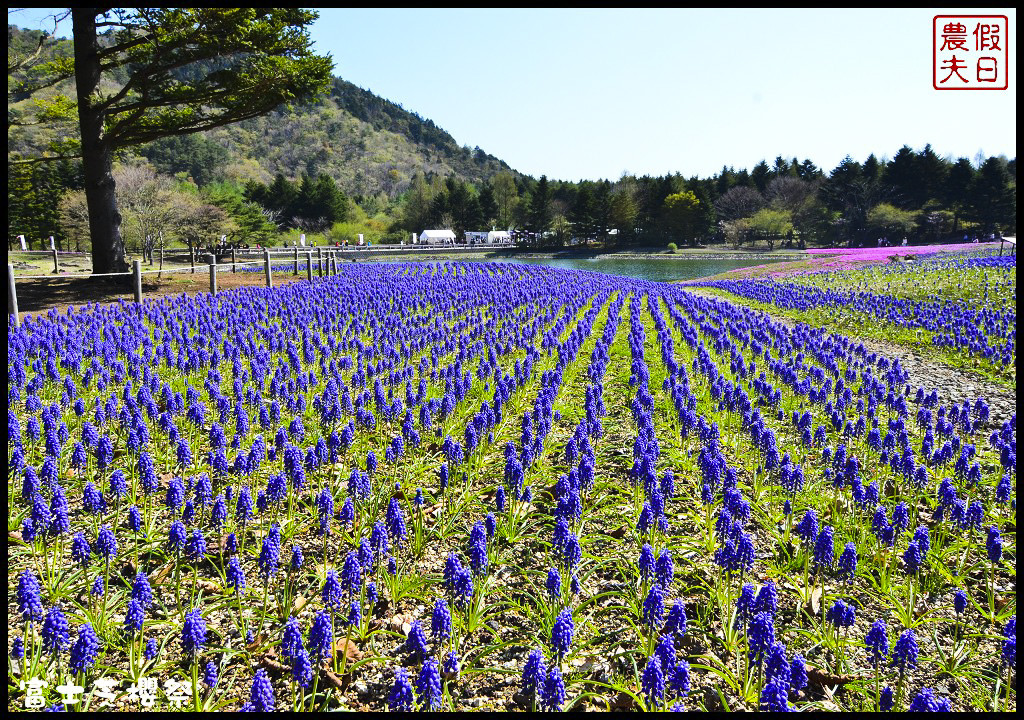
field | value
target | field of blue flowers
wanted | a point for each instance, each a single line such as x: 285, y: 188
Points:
x: 459, y: 486
x: 961, y: 307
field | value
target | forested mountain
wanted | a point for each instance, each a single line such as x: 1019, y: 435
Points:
x: 367, y: 144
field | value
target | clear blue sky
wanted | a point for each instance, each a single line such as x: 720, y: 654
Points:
x: 593, y: 93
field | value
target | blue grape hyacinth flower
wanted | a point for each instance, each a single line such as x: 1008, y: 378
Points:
x: 562, y: 633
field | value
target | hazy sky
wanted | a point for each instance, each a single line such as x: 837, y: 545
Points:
x: 593, y: 93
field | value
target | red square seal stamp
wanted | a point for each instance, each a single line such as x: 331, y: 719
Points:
x: 970, y: 52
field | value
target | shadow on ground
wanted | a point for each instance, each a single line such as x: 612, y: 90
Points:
x: 39, y: 296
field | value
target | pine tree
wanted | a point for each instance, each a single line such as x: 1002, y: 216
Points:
x: 992, y: 202
x: 540, y: 207
x: 250, y: 60
x: 602, y: 210
x: 488, y: 206
x: 761, y: 175
x: 581, y: 214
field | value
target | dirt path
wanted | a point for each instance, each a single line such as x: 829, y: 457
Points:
x: 952, y: 385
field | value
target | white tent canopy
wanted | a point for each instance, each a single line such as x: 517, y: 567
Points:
x: 498, y: 237
x: 437, y: 236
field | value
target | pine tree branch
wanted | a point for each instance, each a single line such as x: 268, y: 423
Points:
x: 19, y: 64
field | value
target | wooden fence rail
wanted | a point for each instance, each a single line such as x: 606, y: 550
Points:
x: 137, y: 272
x: 327, y: 263
x: 12, y: 296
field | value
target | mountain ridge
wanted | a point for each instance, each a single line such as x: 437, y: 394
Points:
x: 368, y: 144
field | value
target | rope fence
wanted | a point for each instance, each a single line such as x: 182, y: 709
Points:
x: 190, y: 257
x: 157, y: 271
x: 326, y: 264
x: 47, y: 252
x: 71, y: 276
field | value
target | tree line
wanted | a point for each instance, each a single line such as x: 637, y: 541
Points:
x: 916, y: 194
x: 312, y: 205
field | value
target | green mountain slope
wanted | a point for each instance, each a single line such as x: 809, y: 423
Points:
x: 367, y: 144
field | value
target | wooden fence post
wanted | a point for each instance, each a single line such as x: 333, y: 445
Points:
x: 137, y: 279
x: 266, y: 268
x: 192, y: 258
x: 56, y: 267
x: 12, y: 296
x: 320, y: 260
x: 309, y: 266
x: 213, y: 274
x: 295, y: 269
x: 233, y: 269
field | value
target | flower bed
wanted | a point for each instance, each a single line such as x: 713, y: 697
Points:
x: 455, y: 486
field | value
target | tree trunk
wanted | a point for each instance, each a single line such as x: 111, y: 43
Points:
x: 108, y: 253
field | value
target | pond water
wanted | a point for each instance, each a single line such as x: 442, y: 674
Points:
x: 654, y: 269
